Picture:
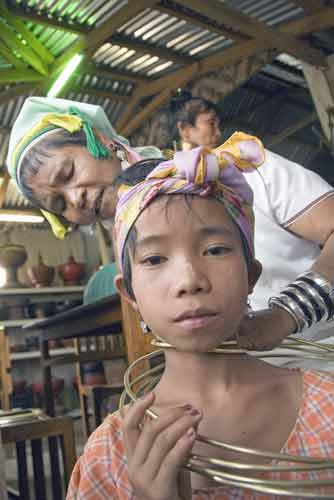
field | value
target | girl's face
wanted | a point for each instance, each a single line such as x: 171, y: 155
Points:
x: 77, y: 186
x: 189, y: 273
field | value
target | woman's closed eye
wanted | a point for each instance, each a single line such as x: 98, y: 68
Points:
x: 68, y: 172
x: 217, y: 250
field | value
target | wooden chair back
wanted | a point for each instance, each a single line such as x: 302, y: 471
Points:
x: 59, y: 434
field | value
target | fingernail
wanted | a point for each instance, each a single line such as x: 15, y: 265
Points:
x: 191, y: 410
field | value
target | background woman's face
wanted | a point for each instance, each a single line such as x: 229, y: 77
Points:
x: 77, y: 186
x: 205, y: 132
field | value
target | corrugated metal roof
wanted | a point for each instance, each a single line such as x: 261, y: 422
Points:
x: 149, y: 46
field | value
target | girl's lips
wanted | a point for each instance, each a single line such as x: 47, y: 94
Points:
x: 196, y: 322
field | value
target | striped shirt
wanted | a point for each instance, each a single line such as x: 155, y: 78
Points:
x: 101, y: 472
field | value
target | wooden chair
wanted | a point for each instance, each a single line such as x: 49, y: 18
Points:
x: 6, y: 383
x: 98, y: 348
x: 61, y: 450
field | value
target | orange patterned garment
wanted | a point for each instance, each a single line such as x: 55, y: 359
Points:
x: 101, y: 472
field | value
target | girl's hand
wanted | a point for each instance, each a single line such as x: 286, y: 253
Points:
x: 265, y: 329
x: 156, y: 449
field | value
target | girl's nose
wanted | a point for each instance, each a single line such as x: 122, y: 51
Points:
x: 190, y: 279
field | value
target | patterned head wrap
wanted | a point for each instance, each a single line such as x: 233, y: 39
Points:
x: 201, y: 172
x: 41, y: 116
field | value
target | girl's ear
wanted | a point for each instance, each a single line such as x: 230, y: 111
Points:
x: 254, y: 272
x: 119, y: 285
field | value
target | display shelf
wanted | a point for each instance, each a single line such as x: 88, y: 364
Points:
x: 16, y: 356
x: 55, y: 293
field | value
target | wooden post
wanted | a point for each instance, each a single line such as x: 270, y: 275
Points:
x: 321, y: 85
x: 103, y: 246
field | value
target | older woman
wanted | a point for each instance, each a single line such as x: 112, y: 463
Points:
x: 64, y: 157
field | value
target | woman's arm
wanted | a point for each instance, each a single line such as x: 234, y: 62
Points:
x: 266, y: 329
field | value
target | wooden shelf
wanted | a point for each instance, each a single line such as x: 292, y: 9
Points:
x: 47, y: 294
x: 17, y: 356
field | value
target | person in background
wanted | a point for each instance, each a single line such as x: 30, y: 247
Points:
x: 294, y: 234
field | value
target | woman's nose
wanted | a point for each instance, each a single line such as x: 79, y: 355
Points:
x: 190, y: 279
x: 77, y: 197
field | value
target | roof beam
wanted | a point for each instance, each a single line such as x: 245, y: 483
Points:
x: 50, y: 22
x: 236, y: 53
x: 100, y: 93
x: 220, y: 12
x: 309, y: 6
x: 19, y: 75
x: 12, y: 41
x: 96, y: 37
x: 105, y: 71
x: 130, y: 10
x: 287, y: 132
x: 147, y: 48
x: 34, y: 43
x: 13, y: 92
x: 201, y: 23
x: 10, y: 56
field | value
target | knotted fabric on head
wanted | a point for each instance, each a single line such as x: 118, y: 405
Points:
x: 203, y: 172
x: 41, y: 116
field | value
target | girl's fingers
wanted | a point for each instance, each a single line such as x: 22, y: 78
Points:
x: 159, y: 438
x: 133, y: 418
x: 175, y: 459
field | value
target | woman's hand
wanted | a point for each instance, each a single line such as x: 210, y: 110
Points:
x: 265, y: 329
x: 156, y: 449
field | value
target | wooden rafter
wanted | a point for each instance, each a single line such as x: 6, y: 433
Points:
x: 288, y: 131
x: 309, y: 6
x: 131, y: 9
x: 19, y: 75
x: 100, y: 93
x: 3, y: 188
x: 18, y: 90
x: 199, y: 21
x: 96, y: 37
x: 219, y: 11
x: 10, y: 38
x: 39, y: 49
x: 237, y: 52
x: 10, y: 56
x: 148, y: 48
x: 105, y: 71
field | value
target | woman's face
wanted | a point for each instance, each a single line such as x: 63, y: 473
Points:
x: 189, y: 274
x: 77, y: 186
x: 205, y: 132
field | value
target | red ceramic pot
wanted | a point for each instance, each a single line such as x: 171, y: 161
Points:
x: 71, y: 272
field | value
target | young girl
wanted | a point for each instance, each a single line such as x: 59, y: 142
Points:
x: 185, y: 245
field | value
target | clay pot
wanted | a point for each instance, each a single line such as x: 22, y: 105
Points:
x: 71, y: 272
x: 41, y: 275
x: 11, y: 258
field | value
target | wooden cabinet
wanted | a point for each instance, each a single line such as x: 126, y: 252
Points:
x: 19, y: 352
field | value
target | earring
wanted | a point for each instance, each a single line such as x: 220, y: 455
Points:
x: 144, y: 326
x: 250, y: 313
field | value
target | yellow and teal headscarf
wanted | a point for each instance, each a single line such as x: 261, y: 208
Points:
x: 41, y: 116
x: 202, y: 172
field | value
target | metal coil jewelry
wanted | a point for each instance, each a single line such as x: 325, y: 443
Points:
x: 235, y: 473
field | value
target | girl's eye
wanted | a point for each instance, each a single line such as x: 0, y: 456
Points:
x: 153, y: 260
x: 217, y: 250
